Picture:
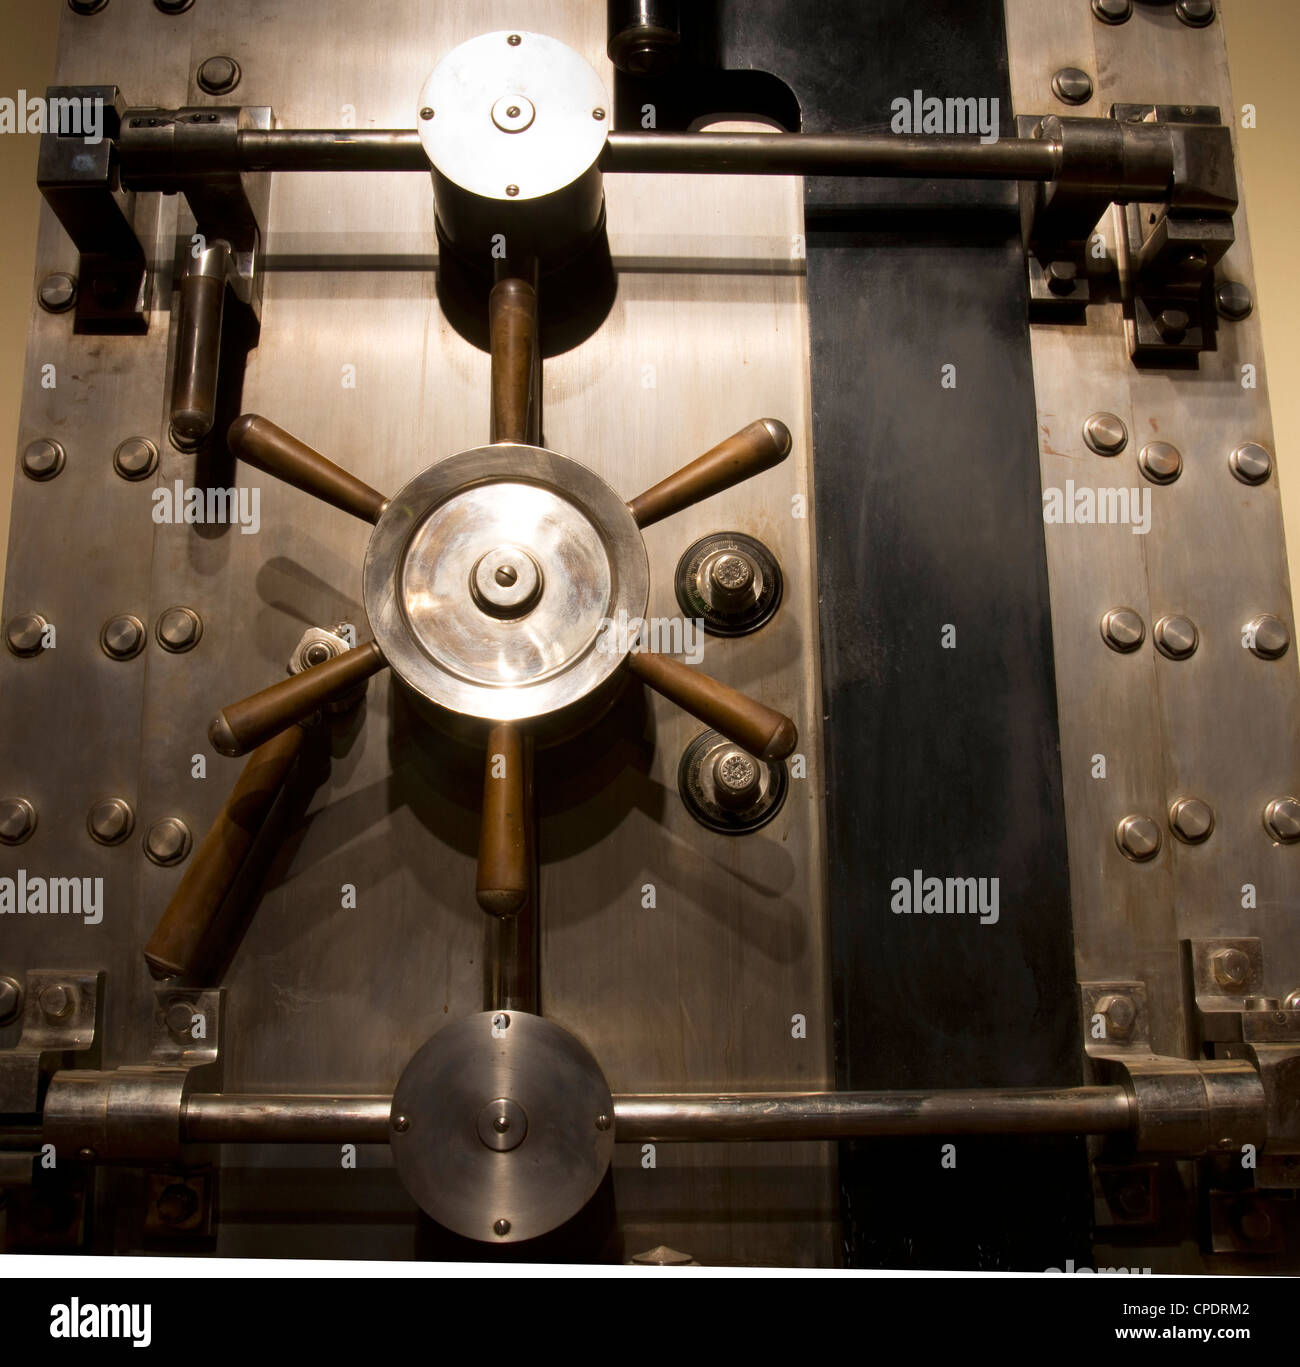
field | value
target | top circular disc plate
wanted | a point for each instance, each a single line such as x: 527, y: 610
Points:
x: 447, y: 1156
x: 550, y: 516
x: 549, y: 143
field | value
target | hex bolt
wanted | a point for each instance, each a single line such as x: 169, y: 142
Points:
x: 1105, y: 434
x: 135, y: 458
x: 1195, y: 13
x: 178, y: 630
x: 1251, y: 463
x: 1191, y: 820
x: 1072, y: 85
x: 17, y: 820
x: 218, y: 75
x: 1138, y: 838
x: 737, y: 778
x: 42, y: 459
x: 1282, y: 819
x: 1231, y: 968
x: 58, y: 1001
x: 58, y: 292
x: 1113, y: 11
x: 11, y: 999
x: 501, y: 1227
x: 1061, y: 276
x: 25, y: 633
x: 110, y: 821
x: 1176, y: 637
x: 1120, y: 1014
x: 179, y: 1018
x: 167, y: 841
x: 1234, y: 300
x: 1123, y: 630
x: 1160, y: 462
x: 1268, y: 636
x: 122, y: 637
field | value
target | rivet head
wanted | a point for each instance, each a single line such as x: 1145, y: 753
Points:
x: 179, y: 1018
x: 1120, y: 1014
x: 173, y: 6
x: 167, y: 841
x: 426, y: 113
x: 1072, y: 85
x: 17, y: 820
x: 1282, y: 819
x: 1230, y: 967
x: 11, y: 999
x: 218, y: 75
x: 135, y: 458
x: 110, y: 821
x: 1112, y: 11
x: 25, y: 632
x: 42, y: 459
x: 1160, y: 462
x: 1267, y: 636
x: 1234, y: 300
x: 1191, y: 820
x: 512, y: 190
x: 598, y: 114
x: 1061, y: 276
x: 58, y: 1001
x: 603, y: 1122
x: 57, y: 292
x: 501, y: 1228
x: 514, y: 40
x: 1105, y: 434
x: 1176, y: 637
x: 179, y: 629
x: 1172, y: 324
x: 1138, y: 838
x: 86, y: 6
x: 1251, y: 463
x: 1123, y: 630
x: 401, y: 1124
x: 1195, y: 13
x: 122, y: 637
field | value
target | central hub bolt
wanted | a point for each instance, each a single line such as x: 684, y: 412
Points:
x: 506, y: 582
x: 502, y: 1124
x: 513, y: 113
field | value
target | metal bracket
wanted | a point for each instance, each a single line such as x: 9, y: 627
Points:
x: 81, y: 183
x: 61, y: 1018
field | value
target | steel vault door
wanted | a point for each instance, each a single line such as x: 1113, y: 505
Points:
x: 694, y: 993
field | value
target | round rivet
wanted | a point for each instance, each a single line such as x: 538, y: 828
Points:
x: 501, y: 1227
x: 1105, y: 434
x: 135, y: 458
x: 1191, y: 820
x: 1112, y: 11
x: 1282, y: 819
x: 1267, y: 636
x: 25, y: 633
x: 1120, y: 1014
x: 167, y: 841
x: 598, y: 114
x: 179, y: 629
x: 1251, y: 463
x: 86, y: 6
x: 179, y: 1018
x: 11, y: 999
x: 58, y: 292
x: 122, y: 637
x: 1195, y: 13
x: 218, y: 75
x: 1138, y: 838
x: 514, y: 40
x: 401, y: 1124
x: 1160, y: 462
x: 501, y: 1021
x: 603, y: 1122
x: 512, y: 190
x: 1234, y: 300
x: 110, y: 821
x: 43, y: 459
x: 58, y: 1001
x: 173, y: 6
x: 1176, y: 637
x: 1123, y: 630
x: 426, y: 113
x: 17, y: 820
x: 1072, y: 85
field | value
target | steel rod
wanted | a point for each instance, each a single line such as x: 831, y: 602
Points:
x: 252, y: 1119
x: 770, y: 154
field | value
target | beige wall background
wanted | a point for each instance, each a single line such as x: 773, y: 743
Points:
x: 1262, y: 36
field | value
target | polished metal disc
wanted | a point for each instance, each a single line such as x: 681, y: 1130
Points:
x: 513, y: 116
x: 495, y: 580
x: 502, y: 1126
